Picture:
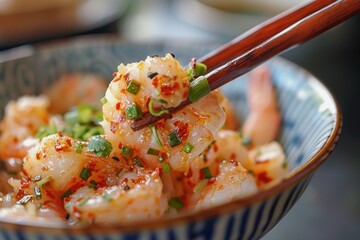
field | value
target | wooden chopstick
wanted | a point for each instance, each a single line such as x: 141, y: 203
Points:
x: 278, y: 39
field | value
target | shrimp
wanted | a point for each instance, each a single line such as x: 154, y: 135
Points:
x: 267, y: 163
x: 227, y: 179
x: 138, y: 196
x: 68, y: 165
x: 263, y: 123
x: 232, y: 182
x: 80, y: 88
x: 22, y: 120
x: 195, y: 125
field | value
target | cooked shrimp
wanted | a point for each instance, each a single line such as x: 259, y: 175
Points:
x: 80, y: 88
x: 194, y: 125
x: 263, y: 123
x: 22, y: 120
x: 268, y: 164
x: 138, y: 196
x: 232, y: 182
x: 63, y: 160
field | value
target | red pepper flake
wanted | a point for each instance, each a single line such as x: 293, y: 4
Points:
x: 215, y: 147
x: 126, y: 76
x: 44, y: 168
x: 113, y: 127
x: 58, y: 146
x: 155, y: 82
x: 60, y: 134
x: 118, y: 106
x: 49, y: 193
x: 37, y: 155
x: 24, y: 183
x: 183, y: 129
x: 114, y: 74
x: 20, y: 194
x: 262, y: 177
x: 68, y: 141
x: 169, y: 89
x: 211, y: 180
x: 233, y: 159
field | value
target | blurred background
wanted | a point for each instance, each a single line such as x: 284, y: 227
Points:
x: 330, y: 207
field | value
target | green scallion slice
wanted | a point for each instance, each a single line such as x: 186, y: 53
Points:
x: 176, y: 203
x: 107, y: 197
x: 85, y: 174
x: 78, y: 147
x: 45, y: 182
x: 83, y: 202
x: 66, y: 194
x: 126, y: 151
x: 153, y: 151
x: 137, y: 161
x: 188, y: 147
x: 174, y: 139
x: 156, y: 135
x: 133, y: 87
x: 206, y: 172
x: 133, y: 111
x: 200, y: 186
x: 103, y: 100
x: 165, y: 167
x: 155, y: 112
x: 199, y: 88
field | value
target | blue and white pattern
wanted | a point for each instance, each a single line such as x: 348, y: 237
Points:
x: 310, y: 119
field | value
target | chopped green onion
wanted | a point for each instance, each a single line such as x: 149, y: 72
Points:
x: 66, y: 194
x: 107, y: 197
x: 83, y: 202
x: 165, y: 167
x: 200, y: 186
x: 85, y: 174
x: 78, y: 147
x: 45, y: 182
x: 93, y: 131
x: 284, y: 165
x: 157, y: 112
x: 176, y: 203
x: 37, y: 192
x: 199, y: 88
x: 126, y: 151
x: 188, y: 147
x: 206, y: 172
x: 133, y: 111
x: 100, y: 146
x: 46, y: 131
x: 173, y: 138
x: 85, y: 113
x: 103, y: 100
x: 137, y: 161
x: 133, y: 87
x: 24, y: 200
x: 156, y: 135
x: 93, y: 183
x: 153, y: 151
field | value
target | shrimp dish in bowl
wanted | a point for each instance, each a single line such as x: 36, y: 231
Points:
x: 71, y: 160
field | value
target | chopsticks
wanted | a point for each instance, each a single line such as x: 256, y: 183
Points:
x: 256, y: 46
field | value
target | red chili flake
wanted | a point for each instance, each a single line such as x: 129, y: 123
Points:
x: 120, y: 145
x: 169, y: 89
x: 211, y: 180
x: 114, y: 74
x: 118, y: 106
x: 189, y: 173
x: 233, y: 159
x: 20, y: 194
x: 113, y: 127
x: 58, y: 146
x: 263, y: 177
x: 24, y: 183
x: 126, y: 76
x: 37, y: 155
x: 68, y: 141
x: 215, y: 147
x: 91, y: 165
x: 183, y: 129
x: 44, y: 168
x: 49, y: 193
x: 60, y: 134
x: 125, y: 180
x: 155, y: 82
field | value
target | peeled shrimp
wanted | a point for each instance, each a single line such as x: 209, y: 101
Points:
x: 267, y: 163
x: 59, y: 158
x: 263, y: 123
x: 196, y: 124
x: 138, y: 196
x: 22, y: 120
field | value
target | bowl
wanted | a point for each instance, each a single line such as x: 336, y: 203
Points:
x: 310, y: 130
